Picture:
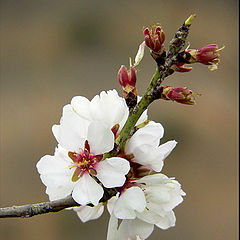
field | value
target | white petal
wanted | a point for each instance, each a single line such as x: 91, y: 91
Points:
x: 96, y: 109
x: 140, y: 54
x: 168, y: 221
x: 142, y: 118
x: 167, y: 147
x: 111, y: 172
x: 59, y: 193
x: 87, y: 190
x: 81, y: 106
x: 153, y: 179
x: 130, y: 202
x: 111, y: 202
x: 86, y: 213
x: 150, y: 134
x: 56, y: 175
x: 149, y: 216
x: 53, y: 164
x: 163, y: 222
x: 114, y: 107
x: 56, y: 180
x: 133, y: 229
x: 149, y: 155
x: 71, y: 132
x: 112, y: 228
x: 109, y: 108
x: 100, y: 138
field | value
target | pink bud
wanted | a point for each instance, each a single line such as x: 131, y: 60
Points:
x: 180, y: 95
x: 154, y: 38
x: 123, y: 76
x: 127, y: 79
x: 208, y: 54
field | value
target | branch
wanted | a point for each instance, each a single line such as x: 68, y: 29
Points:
x: 154, y: 88
x: 30, y: 210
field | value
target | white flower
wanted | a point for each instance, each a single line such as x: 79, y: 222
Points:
x: 107, y: 108
x: 128, y: 229
x: 162, y: 195
x: 144, y: 145
x: 83, y: 138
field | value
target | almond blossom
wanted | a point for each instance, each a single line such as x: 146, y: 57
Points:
x: 84, y: 135
x: 155, y: 197
x: 145, y: 148
x: 145, y: 154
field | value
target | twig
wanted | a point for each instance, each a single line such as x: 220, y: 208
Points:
x: 30, y: 210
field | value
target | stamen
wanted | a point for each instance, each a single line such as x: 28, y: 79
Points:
x: 220, y: 49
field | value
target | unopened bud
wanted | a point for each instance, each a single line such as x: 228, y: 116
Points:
x: 208, y: 55
x: 180, y: 95
x: 115, y: 129
x: 154, y: 38
x: 189, y: 21
x: 127, y: 79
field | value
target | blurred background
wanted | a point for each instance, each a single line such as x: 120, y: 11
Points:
x: 54, y: 50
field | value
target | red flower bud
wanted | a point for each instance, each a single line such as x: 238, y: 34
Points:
x: 180, y: 95
x: 127, y: 79
x: 154, y: 38
x: 208, y: 55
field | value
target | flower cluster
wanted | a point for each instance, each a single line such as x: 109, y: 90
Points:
x: 78, y: 167
x: 109, y: 145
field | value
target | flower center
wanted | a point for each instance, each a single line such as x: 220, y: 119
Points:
x: 84, y: 162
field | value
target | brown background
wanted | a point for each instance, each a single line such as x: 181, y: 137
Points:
x: 54, y: 50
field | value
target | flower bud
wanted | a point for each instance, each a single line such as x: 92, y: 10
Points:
x: 154, y: 38
x: 208, y: 55
x: 180, y: 95
x: 127, y: 79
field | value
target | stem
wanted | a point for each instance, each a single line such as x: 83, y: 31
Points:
x: 137, y: 111
x: 133, y: 117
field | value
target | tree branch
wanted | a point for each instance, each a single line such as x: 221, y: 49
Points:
x: 30, y: 210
